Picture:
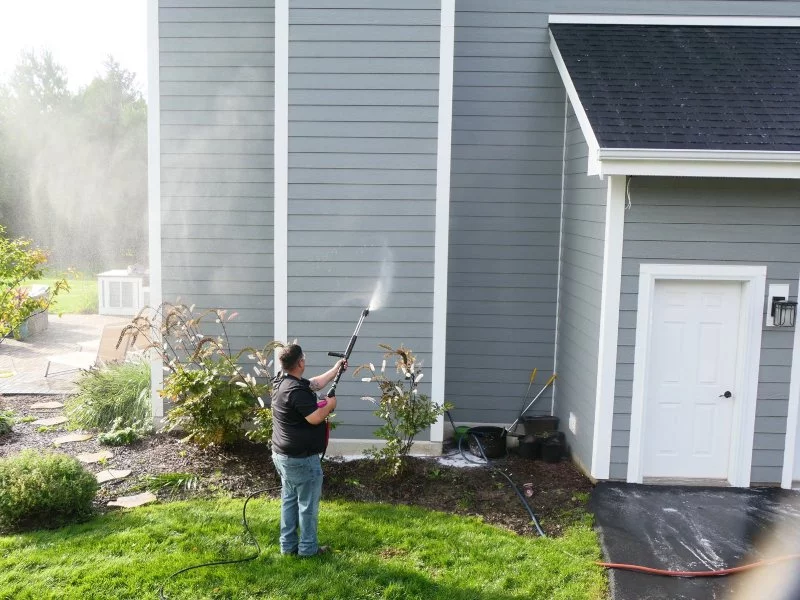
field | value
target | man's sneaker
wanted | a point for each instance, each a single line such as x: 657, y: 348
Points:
x: 320, y: 550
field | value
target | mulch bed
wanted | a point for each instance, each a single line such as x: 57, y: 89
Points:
x: 559, y: 495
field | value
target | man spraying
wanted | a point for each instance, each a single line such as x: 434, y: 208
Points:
x: 299, y: 436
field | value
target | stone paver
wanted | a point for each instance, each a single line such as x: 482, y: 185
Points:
x: 133, y: 501
x: 72, y: 437
x: 112, y: 474
x: 95, y: 457
x: 27, y: 360
x: 47, y: 405
x: 51, y: 421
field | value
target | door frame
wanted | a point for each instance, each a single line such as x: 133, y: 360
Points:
x: 791, y: 451
x: 753, y: 279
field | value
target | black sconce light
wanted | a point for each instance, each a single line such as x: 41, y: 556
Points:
x: 784, y: 312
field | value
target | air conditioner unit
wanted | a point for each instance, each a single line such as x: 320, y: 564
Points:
x: 119, y: 293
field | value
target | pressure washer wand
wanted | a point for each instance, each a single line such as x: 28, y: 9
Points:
x: 346, y: 354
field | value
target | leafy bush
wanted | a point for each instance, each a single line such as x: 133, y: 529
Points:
x: 171, y: 482
x: 114, y: 396
x: 122, y: 436
x: 21, y: 261
x: 44, y: 489
x: 404, y: 411
x: 212, y: 395
x: 262, y: 425
x: 6, y: 422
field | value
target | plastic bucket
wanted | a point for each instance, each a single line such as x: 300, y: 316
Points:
x: 492, y: 440
x: 539, y: 424
x: 460, y: 433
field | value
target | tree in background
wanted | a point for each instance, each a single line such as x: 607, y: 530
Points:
x: 73, y: 166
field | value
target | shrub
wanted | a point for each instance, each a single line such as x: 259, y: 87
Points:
x: 6, y: 422
x: 44, y: 490
x: 262, y: 425
x: 404, y: 411
x: 122, y: 436
x: 212, y: 395
x: 114, y: 396
x: 21, y: 261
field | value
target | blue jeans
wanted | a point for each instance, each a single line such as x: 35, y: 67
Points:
x: 301, y: 480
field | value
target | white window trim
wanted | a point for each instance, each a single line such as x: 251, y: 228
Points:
x: 281, y: 177
x: 792, y: 417
x: 591, y: 19
x: 609, y: 328
x: 743, y: 428
x: 154, y: 190
x: 442, y: 221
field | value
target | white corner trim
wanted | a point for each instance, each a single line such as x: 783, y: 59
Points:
x: 609, y: 328
x: 593, y: 166
x: 748, y: 357
x: 281, y: 175
x: 792, y: 417
x: 154, y: 190
x: 442, y: 221
x: 590, y: 19
x: 699, y: 163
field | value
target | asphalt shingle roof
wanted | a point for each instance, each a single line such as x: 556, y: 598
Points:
x: 686, y: 87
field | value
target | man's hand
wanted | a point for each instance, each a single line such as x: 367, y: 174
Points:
x: 342, y: 364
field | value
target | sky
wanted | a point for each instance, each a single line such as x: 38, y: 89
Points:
x: 79, y: 33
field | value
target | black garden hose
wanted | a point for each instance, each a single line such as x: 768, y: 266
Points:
x: 493, y: 468
x: 225, y: 562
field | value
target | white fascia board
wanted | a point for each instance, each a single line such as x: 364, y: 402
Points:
x: 154, y: 190
x: 442, y: 219
x: 593, y: 167
x: 703, y: 21
x: 699, y: 163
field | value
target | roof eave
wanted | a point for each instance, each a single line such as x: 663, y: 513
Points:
x: 755, y: 164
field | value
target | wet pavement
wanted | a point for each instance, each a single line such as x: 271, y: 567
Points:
x: 688, y: 528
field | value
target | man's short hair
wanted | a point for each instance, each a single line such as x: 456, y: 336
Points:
x: 290, y: 356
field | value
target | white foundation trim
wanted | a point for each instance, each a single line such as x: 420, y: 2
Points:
x: 593, y: 166
x: 442, y: 222
x: 587, y: 19
x: 281, y: 175
x: 793, y: 416
x: 609, y: 328
x: 154, y: 189
x: 748, y: 358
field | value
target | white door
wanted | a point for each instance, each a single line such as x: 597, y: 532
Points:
x: 692, y: 364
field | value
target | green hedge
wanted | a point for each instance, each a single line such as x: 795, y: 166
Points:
x: 44, y: 489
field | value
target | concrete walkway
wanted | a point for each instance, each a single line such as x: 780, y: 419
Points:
x: 23, y: 363
x: 682, y: 528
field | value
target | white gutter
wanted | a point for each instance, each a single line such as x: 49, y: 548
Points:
x: 674, y: 20
x: 700, y: 163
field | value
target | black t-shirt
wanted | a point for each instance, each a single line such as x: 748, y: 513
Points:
x: 292, y: 402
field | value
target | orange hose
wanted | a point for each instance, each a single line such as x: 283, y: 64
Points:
x: 717, y: 573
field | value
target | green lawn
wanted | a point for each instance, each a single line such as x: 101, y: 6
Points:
x: 381, y: 552
x: 81, y: 298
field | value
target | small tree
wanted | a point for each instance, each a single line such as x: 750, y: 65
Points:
x: 212, y: 394
x: 404, y: 411
x: 21, y: 261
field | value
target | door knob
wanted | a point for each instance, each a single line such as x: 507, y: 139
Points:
x: 727, y: 394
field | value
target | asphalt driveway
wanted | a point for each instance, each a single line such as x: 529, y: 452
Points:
x: 697, y: 529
